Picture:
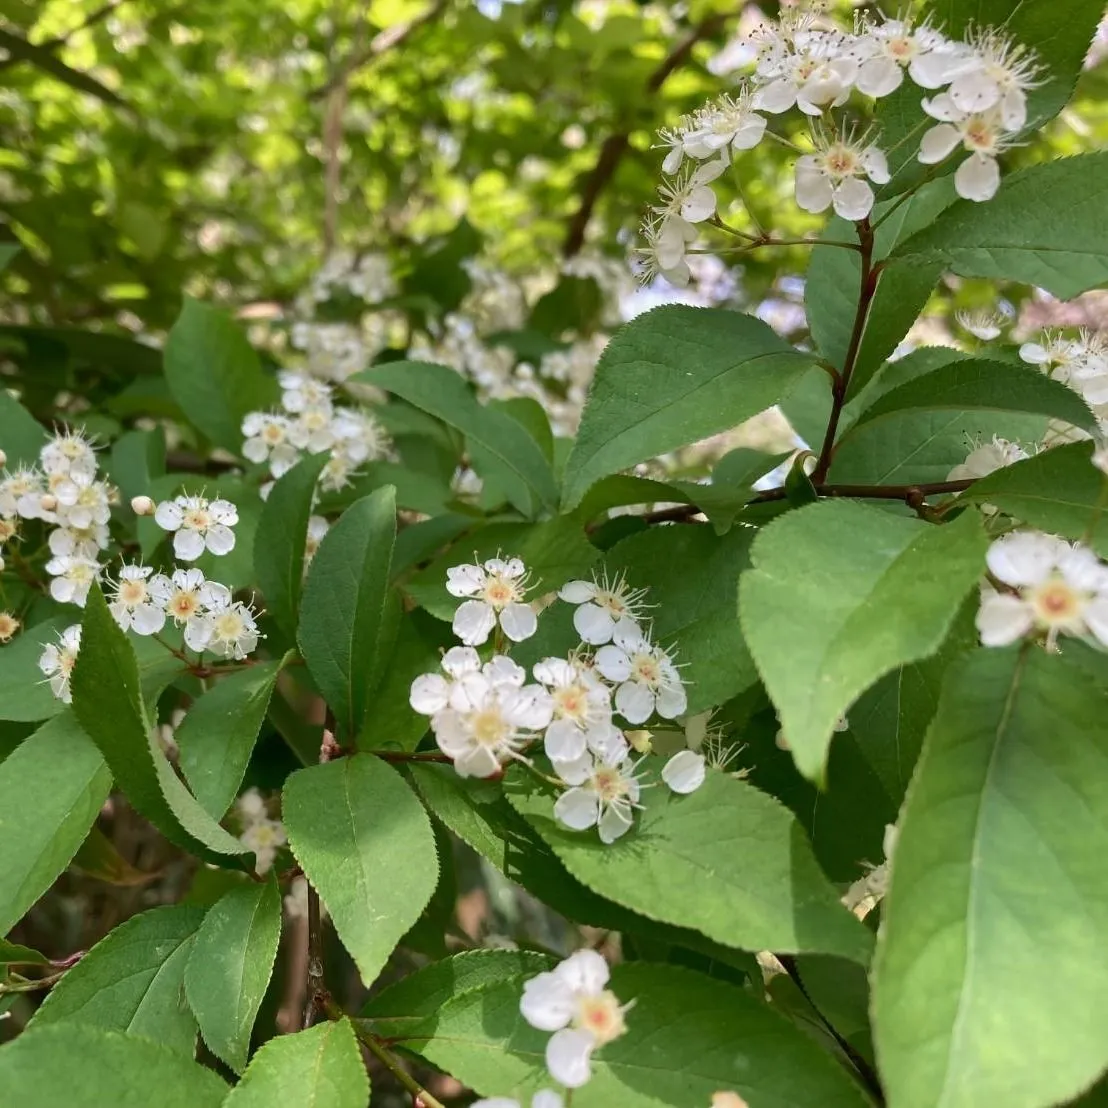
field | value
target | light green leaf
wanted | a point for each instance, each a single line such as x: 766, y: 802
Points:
x: 137, y: 458
x: 107, y: 701
x: 14, y: 954
x: 214, y: 373
x: 21, y: 435
x: 365, y: 843
x: 841, y: 594
x: 409, y: 1008
x: 52, y: 787
x: 321, y: 1066
x: 766, y: 891
x: 724, y: 1040
x: 620, y: 489
x: 49, y: 1067
x: 346, y: 627
x: 1000, y: 857
x: 230, y: 966
x: 279, y: 541
x: 671, y: 377
x: 1045, y: 227
x: 692, y: 578
x: 133, y: 980
x: 1058, y: 491
x: 217, y: 735
x: 964, y: 385
x: 731, y: 486
x: 555, y: 552
x: 444, y: 394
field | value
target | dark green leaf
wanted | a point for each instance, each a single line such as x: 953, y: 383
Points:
x: 21, y: 435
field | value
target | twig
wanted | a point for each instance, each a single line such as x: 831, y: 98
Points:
x: 382, y: 42
x: 616, y: 145
x: 404, y: 756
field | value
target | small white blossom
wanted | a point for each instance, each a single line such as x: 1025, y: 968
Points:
x: 729, y: 123
x: 82, y: 501
x: 262, y: 835
x: 78, y: 542
x: 496, y: 589
x: 981, y: 133
x: 58, y: 659
x: 21, y: 494
x: 987, y: 458
x: 317, y: 528
x: 685, y: 771
x: 864, y: 894
x: 982, y: 324
x: 572, y: 1001
x: 603, y: 606
x: 198, y: 525
x: 227, y: 630
x: 72, y: 579
x: 997, y: 74
x: 431, y: 692
x: 817, y: 73
x: 1057, y: 588
x: 142, y: 505
x: 604, y: 794
x: 188, y: 598
x: 582, y: 708
x: 302, y: 392
x: 894, y: 46
x: 132, y: 605
x: 267, y: 440
x: 834, y: 177
x: 313, y: 430
x: 69, y: 453
x: 646, y: 679
x: 360, y: 437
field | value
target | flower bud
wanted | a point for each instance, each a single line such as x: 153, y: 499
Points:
x: 142, y: 505
x: 49, y: 502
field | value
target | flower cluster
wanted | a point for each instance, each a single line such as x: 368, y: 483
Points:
x: 980, y: 87
x: 1044, y: 586
x: 485, y: 713
x: 259, y: 832
x: 310, y: 422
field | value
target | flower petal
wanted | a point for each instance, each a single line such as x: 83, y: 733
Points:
x: 635, y: 702
x: 519, y: 621
x: 613, y: 663
x: 578, y: 809
x: 577, y: 592
x: 547, y: 1003
x: 1002, y: 619
x: 684, y: 772
x: 593, y: 624
x: 188, y: 545
x: 567, y: 1057
x: 473, y: 622
x: 168, y: 515
x: 429, y: 694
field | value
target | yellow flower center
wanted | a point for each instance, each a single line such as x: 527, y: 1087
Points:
x: 183, y: 604
x: 7, y: 529
x: 1056, y: 604
x: 571, y: 702
x: 611, y: 602
x: 489, y: 728
x: 197, y: 519
x: 273, y: 434
x: 500, y: 592
x: 132, y: 592
x: 229, y: 626
x: 645, y: 668
x: 980, y: 136
x: 609, y: 784
x: 8, y: 626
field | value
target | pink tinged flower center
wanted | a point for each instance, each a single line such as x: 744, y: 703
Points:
x: 183, y: 604
x: 901, y: 48
x: 601, y: 1016
x: 980, y: 135
x: 645, y: 668
x: 571, y: 702
x: 67, y: 659
x: 609, y: 784
x: 611, y: 602
x: 806, y: 68
x: 489, y: 728
x: 273, y: 434
x: 7, y: 529
x: 1056, y: 603
x: 841, y: 161
x: 500, y: 592
x: 132, y: 593
x: 197, y: 519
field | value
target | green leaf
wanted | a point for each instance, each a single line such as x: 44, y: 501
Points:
x: 731, y: 486
x: 444, y: 394
x: 217, y: 735
x: 346, y: 629
x: 621, y: 489
x: 21, y: 435
x: 320, y: 1066
x: 41, y: 57
x: 1000, y: 857
x: 230, y: 966
x: 672, y: 377
x: 724, y: 1040
x: 408, y: 1009
x: 133, y: 980
x: 365, y: 843
x: 214, y: 373
x: 766, y: 891
x: 1045, y: 227
x: 554, y: 552
x: 52, y: 787
x: 14, y: 954
x: 24, y: 694
x: 692, y: 576
x: 280, y: 539
x: 49, y: 1067
x: 108, y: 703
x: 842, y: 593
x: 1059, y: 491
x: 137, y: 457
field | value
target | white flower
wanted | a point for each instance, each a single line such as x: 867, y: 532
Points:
x: 893, y: 46
x: 82, y: 501
x: 317, y: 528
x: 603, y: 605
x: 1057, y: 587
x: 684, y: 772
x: 1058, y: 356
x: 864, y: 894
x: 72, y: 579
x: 338, y: 472
x: 132, y: 606
x: 544, y: 1098
x: 430, y: 692
x: 833, y: 177
x: 645, y: 676
x: 58, y: 659
x: 497, y: 589
x: 981, y: 133
x: 21, y: 494
x: 313, y: 430
x: 987, y: 458
x: 228, y: 630
x: 69, y: 453
x: 267, y: 439
x: 187, y: 597
x: 819, y: 74
x: 264, y: 837
x: 571, y: 1000
x: 982, y: 324
x: 664, y: 252
x: 301, y: 391
x: 198, y: 524
x: 78, y: 542
x: 728, y: 123
x: 604, y: 793
x: 487, y: 720
x: 998, y: 75
x: 582, y: 708
x: 688, y: 196
x: 361, y: 436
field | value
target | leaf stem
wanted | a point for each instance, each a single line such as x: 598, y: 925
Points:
x: 867, y: 288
